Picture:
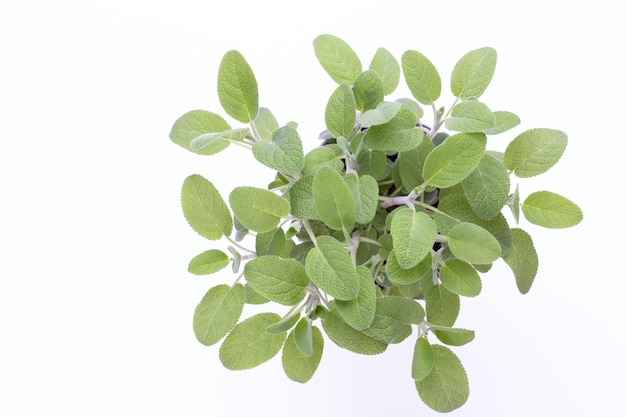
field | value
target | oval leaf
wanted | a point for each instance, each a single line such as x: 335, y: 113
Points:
x: 460, y: 278
x: 382, y: 114
x: 349, y: 338
x: 303, y: 335
x: 329, y: 265
x: 258, y: 209
x: 534, y: 152
x: 333, y: 199
x: 423, y: 359
x: 284, y: 153
x: 365, y: 194
x: 401, y: 276
x: 337, y: 58
x: 298, y: 367
x: 523, y: 260
x: 471, y: 243
x: 453, y: 337
x: 359, y: 312
x: 281, y: 280
x: 265, y: 124
x: 551, y: 210
x: 453, y: 160
x: 399, y: 134
x: 340, y: 114
x: 413, y: 236
x: 205, y: 210
x: 217, y: 313
x: 473, y: 72
x: 442, y: 306
x: 421, y: 76
x: 208, y: 262
x: 471, y: 116
x: 368, y: 90
x: 487, y: 188
x: 195, y: 123
x: 237, y: 87
x: 505, y: 120
x: 387, y: 68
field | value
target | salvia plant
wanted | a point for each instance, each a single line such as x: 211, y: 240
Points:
x: 375, y: 234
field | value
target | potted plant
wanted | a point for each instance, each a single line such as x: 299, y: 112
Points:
x: 373, y: 237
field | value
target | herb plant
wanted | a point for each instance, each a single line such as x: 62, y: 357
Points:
x: 374, y: 235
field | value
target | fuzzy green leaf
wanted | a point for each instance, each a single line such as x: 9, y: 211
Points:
x: 319, y: 157
x: 368, y: 90
x: 473, y: 72
x: 442, y: 306
x: 298, y: 367
x: 359, y: 312
x: 248, y: 345
x: 534, y: 152
x: 284, y: 153
x: 387, y: 68
x: 504, y: 121
x: 217, y: 313
x: 446, y: 387
x: 423, y: 359
x: 303, y: 335
x: 471, y: 243
x: 401, y: 276
x: 409, y: 165
x: 523, y: 260
x: 237, y: 87
x: 487, y: 188
x: 333, y: 200
x: 284, y: 324
x: 453, y: 160
x: 399, y: 134
x: 337, y: 58
x: 340, y: 112
x: 265, y: 124
x: 343, y: 335
x: 301, y: 198
x: 374, y: 163
x: 258, y: 209
x: 272, y: 242
x: 460, y: 278
x: 329, y: 265
x: 281, y: 280
x: 421, y: 76
x: 551, y: 210
x: 205, y: 210
x: 365, y: 194
x: 412, y: 105
x: 208, y: 262
x: 413, y: 236
x: 453, y: 337
x: 471, y: 116
x: 382, y: 114
x: 196, y: 123
x: 211, y: 143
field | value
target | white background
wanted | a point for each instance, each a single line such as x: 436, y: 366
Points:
x: 95, y: 300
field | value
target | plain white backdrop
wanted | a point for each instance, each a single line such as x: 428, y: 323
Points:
x: 95, y: 300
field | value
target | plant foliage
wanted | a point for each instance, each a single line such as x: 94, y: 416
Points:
x: 375, y: 235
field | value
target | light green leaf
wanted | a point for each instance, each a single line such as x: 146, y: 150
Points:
x: 301, y: 198
x: 460, y: 278
x: 382, y: 114
x: 487, y: 188
x: 337, y: 58
x: 340, y: 112
x: 374, y: 163
x: 523, y: 260
x: 409, y: 164
x: 442, y: 306
x: 412, y: 105
x: 423, y: 359
x: 504, y: 121
x: 365, y: 194
x: 333, y: 200
x: 211, y: 143
x: 205, y: 209
x: 208, y: 262
x: 368, y: 90
x: 248, y: 345
x: 421, y: 76
x: 343, y: 335
x: 195, y: 123
x: 471, y: 116
x: 237, y: 87
x: 217, y: 313
x: 281, y: 280
x: 265, y: 124
x: 551, y: 210
x: 272, y: 242
x: 284, y: 153
x: 359, y: 312
x: 401, y: 276
x: 399, y: 134
x: 319, y: 157
x: 446, y: 387
x: 513, y: 203
x: 253, y: 297
x: 473, y: 72
x: 284, y: 324
x: 387, y: 68
x: 258, y: 209
x: 413, y: 236
x: 303, y: 335
x: 298, y: 367
x: 471, y: 243
x: 453, y: 337
x: 453, y: 160
x: 329, y: 265
x: 534, y: 152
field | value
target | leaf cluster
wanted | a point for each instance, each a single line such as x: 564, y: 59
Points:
x: 376, y: 234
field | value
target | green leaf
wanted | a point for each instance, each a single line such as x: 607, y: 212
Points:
x: 217, y: 313
x: 471, y: 243
x: 195, y: 123
x: 423, y: 359
x: 301, y: 198
x: 237, y: 87
x: 421, y: 76
x: 409, y: 164
x: 281, y: 280
x: 368, y: 91
x: 253, y: 297
x: 412, y: 105
x: 298, y: 367
x: 329, y: 265
x: 534, y: 152
x: 365, y: 194
x: 211, y: 143
x: 399, y: 134
x: 265, y: 124
x: 387, y: 68
x: 208, y: 262
x: 473, y: 72
x: 382, y: 114
x: 359, y: 312
x: 205, y: 209
x: 340, y: 112
x: 453, y: 337
x: 248, y: 345
x: 374, y: 163
x: 333, y: 200
x: 487, y: 188
x: 471, y: 116
x: 551, y: 210
x: 513, y: 203
x: 343, y: 335
x: 413, y: 236
x: 272, y: 242
x: 453, y: 160
x: 284, y: 324
x: 303, y: 335
x: 319, y: 157
x: 523, y: 260
x: 337, y: 58
x: 284, y: 153
x: 401, y: 276
x: 460, y: 278
x: 442, y: 306
x: 258, y: 209
x: 504, y: 121
x: 446, y: 387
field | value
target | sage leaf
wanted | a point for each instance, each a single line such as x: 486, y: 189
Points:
x: 265, y: 124
x: 551, y: 210
x: 196, y: 123
x: 248, y: 345
x: 368, y: 91
x: 258, y: 209
x: 343, y: 335
x: 298, y: 367
x: 359, y: 312
x: 412, y: 105
x: 373, y: 163
x: 460, y: 278
x: 401, y: 276
x: 452, y: 161
x: 505, y: 120
x: 303, y: 335
x: 329, y: 265
x: 284, y: 153
x: 365, y: 194
x: 319, y: 157
x: 471, y: 116
x: 471, y: 243
x: 211, y: 143
x: 280, y: 280
x: 217, y: 313
x: 446, y: 387
x: 473, y: 72
x: 337, y: 58
x: 423, y: 359
x: 204, y: 209
x: 453, y: 337
x: 237, y: 87
x: 340, y: 112
x: 333, y: 199
x: 284, y: 324
x: 487, y: 188
x: 523, y: 260
x: 382, y: 114
x: 534, y: 152
x: 387, y: 68
x: 409, y: 164
x: 413, y: 236
x: 301, y: 198
x: 208, y: 262
x: 442, y: 306
x: 397, y: 135
x: 253, y: 297
x: 421, y: 76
